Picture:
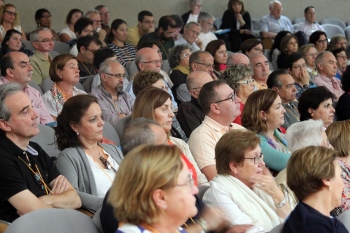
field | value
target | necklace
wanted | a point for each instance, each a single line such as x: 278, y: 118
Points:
x: 91, y: 72
x: 161, y: 44
x: 104, y: 160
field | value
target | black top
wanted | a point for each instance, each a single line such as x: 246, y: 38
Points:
x: 305, y: 219
x: 343, y: 107
x: 15, y: 176
x: 86, y: 69
x: 190, y: 115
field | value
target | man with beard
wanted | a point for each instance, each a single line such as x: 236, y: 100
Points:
x: 164, y: 35
x: 114, y: 102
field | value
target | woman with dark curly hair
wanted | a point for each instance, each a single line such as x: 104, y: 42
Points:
x: 217, y: 48
x: 317, y: 103
x: 87, y: 164
x: 179, y: 62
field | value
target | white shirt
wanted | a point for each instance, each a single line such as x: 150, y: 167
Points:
x: 70, y: 33
x: 192, y: 18
x: 74, y: 50
x: 206, y: 38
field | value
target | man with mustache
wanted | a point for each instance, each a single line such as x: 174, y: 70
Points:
x: 164, y: 35
x: 16, y: 68
x: 114, y: 102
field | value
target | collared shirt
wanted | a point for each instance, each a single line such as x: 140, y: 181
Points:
x: 203, y: 140
x: 165, y: 46
x: 332, y: 84
x: 41, y: 67
x: 37, y: 103
x: 301, y: 89
x: 291, y: 115
x: 270, y: 23
x: 260, y: 86
x: 206, y: 38
x: 110, y: 108
x: 193, y: 46
x: 17, y: 177
x: 133, y: 36
x: 308, y: 28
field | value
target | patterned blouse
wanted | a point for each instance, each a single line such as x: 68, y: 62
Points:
x: 345, y: 200
x: 125, y: 54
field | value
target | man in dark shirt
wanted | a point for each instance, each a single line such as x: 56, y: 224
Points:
x: 28, y: 178
x: 164, y: 35
x: 190, y: 114
x: 87, y: 46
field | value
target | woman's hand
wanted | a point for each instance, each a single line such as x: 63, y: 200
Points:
x: 59, y: 185
x: 304, y: 77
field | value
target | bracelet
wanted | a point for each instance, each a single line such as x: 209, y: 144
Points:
x: 203, y: 224
x: 281, y: 204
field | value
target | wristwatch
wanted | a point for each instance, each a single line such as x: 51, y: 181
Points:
x: 203, y: 224
x: 281, y: 204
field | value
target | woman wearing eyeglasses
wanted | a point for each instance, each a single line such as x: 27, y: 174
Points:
x: 9, y: 20
x: 263, y: 114
x: 43, y: 19
x: 88, y: 165
x: 179, y: 62
x: 239, y: 78
x: 115, y: 40
x: 320, y: 40
x: 217, y: 48
x: 64, y: 72
x: 244, y: 187
x: 342, y: 61
x: 309, y: 53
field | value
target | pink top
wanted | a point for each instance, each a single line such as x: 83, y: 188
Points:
x: 37, y: 101
x: 332, y: 84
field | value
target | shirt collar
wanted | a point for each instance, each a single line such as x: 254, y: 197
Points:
x: 215, y: 125
x: 11, y: 146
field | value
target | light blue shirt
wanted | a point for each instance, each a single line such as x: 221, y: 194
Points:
x: 270, y: 23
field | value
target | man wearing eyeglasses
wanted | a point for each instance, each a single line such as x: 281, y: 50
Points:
x: 145, y: 25
x: 282, y: 82
x: 114, y: 102
x: 104, y: 13
x: 164, y: 35
x: 95, y: 17
x: 220, y: 106
x: 275, y: 22
x: 190, y: 36
x: 202, y: 61
x: 43, y: 42
x: 87, y: 46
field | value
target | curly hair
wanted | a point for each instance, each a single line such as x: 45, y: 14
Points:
x: 73, y: 110
x: 236, y: 73
x: 175, y: 54
x: 145, y: 79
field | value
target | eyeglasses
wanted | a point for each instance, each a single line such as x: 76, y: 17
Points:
x: 185, y: 55
x: 195, y: 32
x: 88, y: 31
x: 303, y: 66
x: 155, y: 62
x: 96, y: 21
x: 46, y: 40
x: 206, y: 64
x: 258, y: 50
x: 11, y: 13
x: 93, y: 51
x: 189, y: 183
x: 170, y: 33
x: 247, y: 81
x: 119, y: 75
x: 232, y: 98
x: 342, y: 56
x: 159, y: 52
x: 322, y: 41
x: 343, y: 43
x: 257, y: 159
x: 198, y: 6
x: 312, y: 55
x: 46, y: 16
x: 195, y: 88
x: 149, y: 22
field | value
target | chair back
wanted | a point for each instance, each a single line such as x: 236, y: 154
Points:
x: 218, y: 22
x: 35, y: 85
x: 131, y: 68
x: 53, y: 221
x: 332, y: 30
x: 110, y: 133
x: 46, y: 139
x: 344, y: 218
x: 277, y: 229
x: 53, y: 53
x: 28, y: 45
x: 121, y: 124
x: 299, y: 20
x: 61, y: 48
x: 87, y: 83
x: 274, y: 64
x: 334, y: 21
x: 347, y: 33
x: 166, y: 66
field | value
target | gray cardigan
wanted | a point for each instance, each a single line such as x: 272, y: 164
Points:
x: 74, y: 165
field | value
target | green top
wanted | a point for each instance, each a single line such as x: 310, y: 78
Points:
x: 165, y: 46
x: 40, y: 67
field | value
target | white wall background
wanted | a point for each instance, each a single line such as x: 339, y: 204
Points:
x: 128, y: 9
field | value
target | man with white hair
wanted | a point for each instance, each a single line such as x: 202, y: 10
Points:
x: 271, y: 24
x: 95, y: 17
x: 206, y: 20
x: 261, y: 70
x: 190, y: 36
x: 237, y: 59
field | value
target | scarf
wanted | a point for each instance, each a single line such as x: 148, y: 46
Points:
x: 58, y: 97
x: 182, y: 69
x: 255, y: 203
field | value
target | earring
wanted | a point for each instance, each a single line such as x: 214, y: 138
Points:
x: 78, y: 133
x: 330, y: 187
x: 164, y: 207
x: 264, y: 118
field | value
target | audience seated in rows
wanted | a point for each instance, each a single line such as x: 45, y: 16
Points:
x: 43, y: 42
x: 190, y: 114
x: 145, y: 24
x: 9, y: 20
x: 83, y: 27
x: 114, y: 102
x: 67, y: 34
x: 206, y: 20
x: 217, y: 49
x: 87, y: 46
x: 16, y: 68
x: 220, y: 106
x: 87, y: 164
x: 29, y: 178
x: 263, y: 114
x: 64, y: 73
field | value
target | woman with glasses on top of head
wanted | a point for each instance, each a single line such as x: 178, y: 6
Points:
x: 179, y: 62
x: 9, y: 19
x: 244, y: 187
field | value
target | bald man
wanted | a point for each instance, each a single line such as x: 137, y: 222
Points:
x: 190, y: 114
x: 238, y: 59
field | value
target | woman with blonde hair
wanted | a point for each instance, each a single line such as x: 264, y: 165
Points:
x: 314, y: 176
x: 160, y: 204
x: 155, y: 104
x: 338, y: 134
x: 9, y: 19
x: 337, y: 42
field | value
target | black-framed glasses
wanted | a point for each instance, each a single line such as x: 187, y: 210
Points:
x: 93, y: 51
x: 119, y: 75
x: 207, y: 65
x: 46, y: 40
x: 257, y: 159
x: 11, y: 13
x: 45, y: 16
x: 231, y: 97
x: 154, y: 62
x: 322, y: 41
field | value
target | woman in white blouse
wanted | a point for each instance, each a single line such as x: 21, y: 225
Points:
x: 244, y: 187
x: 89, y: 166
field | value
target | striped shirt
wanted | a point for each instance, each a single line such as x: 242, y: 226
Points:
x: 124, y: 54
